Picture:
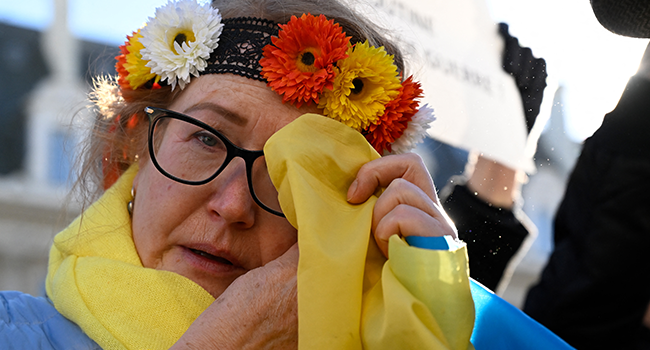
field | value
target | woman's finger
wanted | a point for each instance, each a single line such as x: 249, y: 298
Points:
x: 402, y: 192
x: 406, y: 221
x: 381, y: 172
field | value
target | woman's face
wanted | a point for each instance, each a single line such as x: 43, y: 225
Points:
x: 214, y: 233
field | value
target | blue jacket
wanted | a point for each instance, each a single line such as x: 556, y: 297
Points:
x: 28, y: 322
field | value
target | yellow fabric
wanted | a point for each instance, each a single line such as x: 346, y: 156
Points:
x: 95, y: 278
x: 349, y: 296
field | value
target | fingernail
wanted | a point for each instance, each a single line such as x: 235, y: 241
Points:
x: 352, y: 189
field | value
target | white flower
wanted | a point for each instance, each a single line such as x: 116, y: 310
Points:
x: 415, y: 131
x: 179, y: 39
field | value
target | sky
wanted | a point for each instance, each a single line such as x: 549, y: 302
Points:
x: 591, y: 63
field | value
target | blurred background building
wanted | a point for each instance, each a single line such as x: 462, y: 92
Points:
x: 44, y: 78
x: 42, y: 89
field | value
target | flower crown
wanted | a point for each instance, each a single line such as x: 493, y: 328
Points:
x: 308, y: 60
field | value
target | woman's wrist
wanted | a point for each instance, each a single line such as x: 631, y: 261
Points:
x: 494, y: 183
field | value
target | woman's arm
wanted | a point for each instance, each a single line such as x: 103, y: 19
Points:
x: 494, y: 183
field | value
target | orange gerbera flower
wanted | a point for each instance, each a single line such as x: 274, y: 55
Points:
x: 397, y: 115
x: 300, y: 62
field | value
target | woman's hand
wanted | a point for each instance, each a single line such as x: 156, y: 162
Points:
x: 408, y: 207
x: 259, y: 310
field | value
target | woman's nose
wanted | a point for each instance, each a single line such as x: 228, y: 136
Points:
x: 231, y: 198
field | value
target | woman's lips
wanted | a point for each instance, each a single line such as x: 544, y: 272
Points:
x: 211, y: 257
x: 213, y: 262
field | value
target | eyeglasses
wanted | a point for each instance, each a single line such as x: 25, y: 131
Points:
x: 191, y: 152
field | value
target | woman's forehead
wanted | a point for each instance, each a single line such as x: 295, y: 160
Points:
x: 227, y: 94
x: 227, y: 87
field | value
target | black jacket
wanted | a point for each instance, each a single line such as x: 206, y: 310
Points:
x: 596, y: 286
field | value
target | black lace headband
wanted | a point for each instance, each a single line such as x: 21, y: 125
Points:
x: 241, y: 46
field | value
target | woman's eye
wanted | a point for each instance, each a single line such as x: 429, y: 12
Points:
x: 208, y: 140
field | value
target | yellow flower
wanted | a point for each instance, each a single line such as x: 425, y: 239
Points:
x: 366, y: 82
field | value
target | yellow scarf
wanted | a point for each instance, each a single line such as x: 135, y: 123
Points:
x: 95, y: 278
x: 349, y: 296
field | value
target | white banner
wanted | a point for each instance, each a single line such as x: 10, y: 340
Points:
x: 455, y: 51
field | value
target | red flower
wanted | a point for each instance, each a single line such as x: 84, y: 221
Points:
x: 119, y: 66
x: 397, y: 115
x: 299, y: 63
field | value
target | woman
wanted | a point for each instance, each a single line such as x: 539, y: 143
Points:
x: 210, y: 228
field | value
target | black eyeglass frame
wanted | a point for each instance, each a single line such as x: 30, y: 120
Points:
x: 232, y: 151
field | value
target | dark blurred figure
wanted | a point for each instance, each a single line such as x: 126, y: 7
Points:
x: 528, y: 71
x: 595, y: 289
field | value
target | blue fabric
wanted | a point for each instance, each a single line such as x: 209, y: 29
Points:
x: 28, y: 322
x: 433, y: 243
x: 498, y: 324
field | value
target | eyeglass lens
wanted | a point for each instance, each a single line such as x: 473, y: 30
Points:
x: 192, y: 153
